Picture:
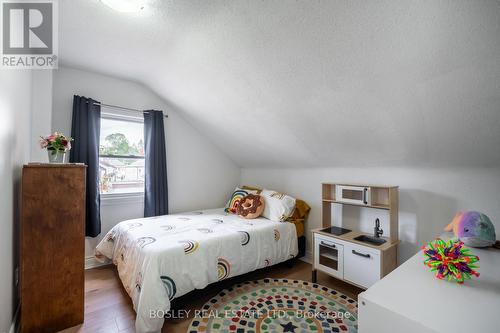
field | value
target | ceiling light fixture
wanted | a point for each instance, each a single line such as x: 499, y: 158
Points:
x: 125, y: 6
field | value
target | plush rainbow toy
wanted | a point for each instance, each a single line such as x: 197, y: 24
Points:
x: 450, y: 260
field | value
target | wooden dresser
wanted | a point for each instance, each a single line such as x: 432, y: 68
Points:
x: 52, y: 247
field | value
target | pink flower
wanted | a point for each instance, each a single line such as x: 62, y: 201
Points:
x: 43, y: 143
x: 56, y: 141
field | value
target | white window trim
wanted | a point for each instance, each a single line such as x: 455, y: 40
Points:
x: 122, y: 115
x: 109, y: 199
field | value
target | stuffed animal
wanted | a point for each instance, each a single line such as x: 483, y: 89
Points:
x: 473, y: 228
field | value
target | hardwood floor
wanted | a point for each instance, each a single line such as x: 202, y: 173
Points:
x: 108, y: 308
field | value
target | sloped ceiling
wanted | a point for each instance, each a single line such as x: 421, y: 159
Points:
x: 311, y: 83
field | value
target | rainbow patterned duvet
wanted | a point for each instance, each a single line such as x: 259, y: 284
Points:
x: 164, y: 257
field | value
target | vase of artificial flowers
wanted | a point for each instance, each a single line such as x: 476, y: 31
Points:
x: 57, y: 145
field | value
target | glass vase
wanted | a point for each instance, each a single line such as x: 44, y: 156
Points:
x: 56, y: 156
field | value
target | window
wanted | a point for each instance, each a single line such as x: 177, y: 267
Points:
x: 121, y: 160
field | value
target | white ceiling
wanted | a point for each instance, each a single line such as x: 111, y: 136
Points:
x: 311, y: 83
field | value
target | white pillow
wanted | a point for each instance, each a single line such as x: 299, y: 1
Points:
x: 278, y: 207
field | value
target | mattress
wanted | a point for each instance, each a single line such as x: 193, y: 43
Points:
x: 164, y: 257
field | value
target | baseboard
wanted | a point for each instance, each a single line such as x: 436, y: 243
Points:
x: 14, y: 326
x: 307, y: 257
x: 92, y: 262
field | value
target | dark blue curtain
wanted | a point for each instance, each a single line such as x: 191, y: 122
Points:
x: 156, y: 188
x: 85, y: 130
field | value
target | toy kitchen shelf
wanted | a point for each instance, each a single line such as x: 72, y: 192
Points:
x: 352, y: 256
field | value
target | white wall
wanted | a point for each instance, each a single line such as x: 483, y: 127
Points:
x: 15, y: 125
x: 199, y: 174
x: 429, y: 198
x: 41, y: 104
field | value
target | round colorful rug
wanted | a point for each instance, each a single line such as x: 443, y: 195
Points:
x: 277, y: 306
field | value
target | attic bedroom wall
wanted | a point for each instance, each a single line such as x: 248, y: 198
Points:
x: 428, y: 198
x: 199, y: 175
x: 15, y: 112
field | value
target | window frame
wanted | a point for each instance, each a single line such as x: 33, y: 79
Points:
x: 128, y: 116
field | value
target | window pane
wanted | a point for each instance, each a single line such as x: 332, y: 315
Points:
x: 118, y: 174
x: 119, y: 137
x: 121, y: 175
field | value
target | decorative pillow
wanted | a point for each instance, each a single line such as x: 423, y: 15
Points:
x: 251, y: 206
x: 278, y: 207
x: 235, y: 199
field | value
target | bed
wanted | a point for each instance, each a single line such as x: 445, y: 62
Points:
x: 164, y: 257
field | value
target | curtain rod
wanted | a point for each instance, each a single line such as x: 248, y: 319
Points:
x: 122, y: 108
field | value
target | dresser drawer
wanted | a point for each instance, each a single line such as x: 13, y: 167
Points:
x: 361, y: 265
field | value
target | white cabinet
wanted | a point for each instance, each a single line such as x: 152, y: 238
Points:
x: 361, y: 265
x: 329, y: 258
x: 349, y: 261
x: 400, y: 302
